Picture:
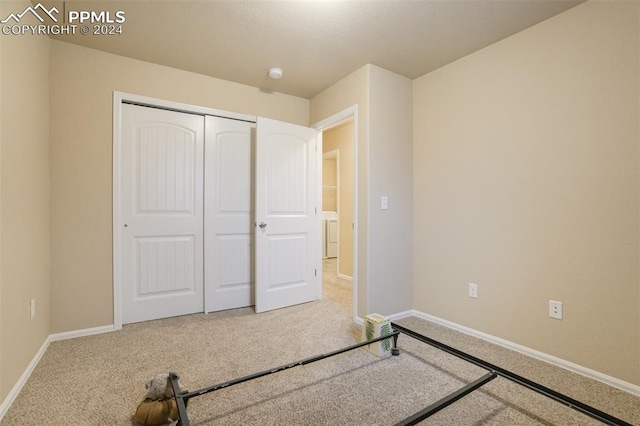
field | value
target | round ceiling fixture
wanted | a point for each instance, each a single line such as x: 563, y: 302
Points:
x: 275, y: 73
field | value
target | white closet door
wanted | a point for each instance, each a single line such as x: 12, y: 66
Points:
x: 287, y: 222
x: 229, y: 189
x: 162, y: 213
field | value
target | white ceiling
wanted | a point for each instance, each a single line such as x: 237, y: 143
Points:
x: 316, y: 42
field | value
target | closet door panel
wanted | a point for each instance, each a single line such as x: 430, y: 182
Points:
x: 288, y: 223
x: 229, y: 217
x: 161, y: 213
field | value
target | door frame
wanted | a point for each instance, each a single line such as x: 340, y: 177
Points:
x: 329, y: 122
x: 118, y: 99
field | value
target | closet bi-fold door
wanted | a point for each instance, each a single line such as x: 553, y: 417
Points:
x: 161, y: 213
x: 214, y: 214
x: 229, y: 214
x: 287, y: 220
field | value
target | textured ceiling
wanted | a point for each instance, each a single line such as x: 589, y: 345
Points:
x: 317, y: 42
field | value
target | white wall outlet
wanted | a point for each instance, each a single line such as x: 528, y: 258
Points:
x: 555, y: 309
x: 32, y: 308
x: 473, y: 290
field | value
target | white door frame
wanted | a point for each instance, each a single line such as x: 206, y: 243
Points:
x: 332, y: 121
x: 118, y: 99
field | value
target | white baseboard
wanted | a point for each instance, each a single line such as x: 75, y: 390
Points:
x: 575, y: 368
x: 401, y: 315
x: 80, y: 333
x: 4, y: 407
x: 344, y: 277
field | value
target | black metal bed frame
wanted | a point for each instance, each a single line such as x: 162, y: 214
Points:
x: 493, y: 372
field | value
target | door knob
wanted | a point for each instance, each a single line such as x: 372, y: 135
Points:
x: 262, y: 225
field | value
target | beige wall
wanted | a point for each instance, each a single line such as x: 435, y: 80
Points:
x: 24, y: 200
x: 384, y: 150
x: 83, y: 81
x: 341, y: 139
x: 526, y: 178
x: 391, y: 175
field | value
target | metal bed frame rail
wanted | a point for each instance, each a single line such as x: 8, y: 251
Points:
x: 182, y: 399
x: 493, y: 372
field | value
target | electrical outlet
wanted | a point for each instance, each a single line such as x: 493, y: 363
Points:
x: 555, y: 309
x: 473, y: 290
x: 32, y: 308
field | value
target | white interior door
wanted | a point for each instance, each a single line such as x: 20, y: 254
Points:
x: 287, y: 222
x: 162, y: 213
x: 229, y: 210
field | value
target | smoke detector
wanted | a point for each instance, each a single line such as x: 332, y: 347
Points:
x: 275, y: 73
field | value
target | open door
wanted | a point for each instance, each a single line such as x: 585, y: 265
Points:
x: 287, y: 222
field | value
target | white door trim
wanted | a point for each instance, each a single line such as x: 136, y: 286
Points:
x: 332, y: 121
x: 118, y: 99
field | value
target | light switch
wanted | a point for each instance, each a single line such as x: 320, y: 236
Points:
x: 384, y: 203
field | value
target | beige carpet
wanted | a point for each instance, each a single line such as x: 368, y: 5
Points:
x: 99, y: 380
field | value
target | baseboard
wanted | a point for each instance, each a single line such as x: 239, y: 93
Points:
x: 344, y: 277
x: 401, y: 315
x: 4, y: 407
x: 81, y: 333
x: 575, y: 368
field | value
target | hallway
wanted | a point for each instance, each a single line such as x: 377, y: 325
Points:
x: 335, y: 288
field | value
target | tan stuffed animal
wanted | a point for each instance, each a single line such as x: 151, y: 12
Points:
x: 159, y: 406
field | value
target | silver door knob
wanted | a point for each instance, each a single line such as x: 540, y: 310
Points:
x: 262, y: 225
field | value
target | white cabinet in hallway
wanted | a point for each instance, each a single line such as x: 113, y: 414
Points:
x: 329, y: 234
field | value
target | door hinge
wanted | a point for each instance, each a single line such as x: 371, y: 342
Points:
x: 315, y: 272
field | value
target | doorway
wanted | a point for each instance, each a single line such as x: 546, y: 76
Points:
x: 339, y: 201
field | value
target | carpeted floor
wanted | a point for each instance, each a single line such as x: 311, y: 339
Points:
x: 99, y: 380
